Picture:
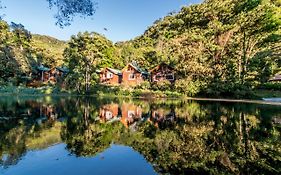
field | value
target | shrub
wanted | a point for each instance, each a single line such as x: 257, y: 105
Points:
x: 188, y: 86
x: 162, y: 85
x: 144, y: 85
x: 271, y: 86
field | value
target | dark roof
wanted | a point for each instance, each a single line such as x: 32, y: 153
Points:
x: 43, y: 68
x: 63, y: 69
x: 137, y: 68
x: 114, y: 71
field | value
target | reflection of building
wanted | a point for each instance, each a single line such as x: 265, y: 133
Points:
x: 160, y: 117
x: 108, y: 112
x: 130, y: 114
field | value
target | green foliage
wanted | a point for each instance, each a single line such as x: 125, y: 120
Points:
x: 21, y: 52
x: 189, y: 87
x: 48, y: 50
x: 271, y: 86
x: 218, y: 48
x: 213, y: 44
x: 162, y: 85
x: 85, y: 53
x: 143, y: 85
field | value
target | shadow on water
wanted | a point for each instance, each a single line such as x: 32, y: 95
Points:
x: 174, y: 137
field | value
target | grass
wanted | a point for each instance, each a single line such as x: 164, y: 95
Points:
x: 261, y: 93
x: 20, y: 90
x: 115, y: 91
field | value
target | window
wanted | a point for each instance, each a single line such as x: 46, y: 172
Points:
x: 132, y: 76
x: 109, y: 75
x: 158, y: 77
x: 170, y: 77
x: 129, y: 69
x: 108, y: 115
x: 131, y: 114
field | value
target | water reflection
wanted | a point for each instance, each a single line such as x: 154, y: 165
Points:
x: 176, y: 137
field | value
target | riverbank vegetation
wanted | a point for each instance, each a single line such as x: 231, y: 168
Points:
x: 218, y: 48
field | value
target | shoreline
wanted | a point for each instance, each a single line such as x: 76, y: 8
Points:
x: 230, y: 100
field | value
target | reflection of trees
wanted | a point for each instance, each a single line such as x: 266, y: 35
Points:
x: 21, y: 130
x: 201, y: 137
x: 222, y: 138
x: 83, y: 135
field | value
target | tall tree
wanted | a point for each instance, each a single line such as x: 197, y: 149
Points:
x: 84, y: 54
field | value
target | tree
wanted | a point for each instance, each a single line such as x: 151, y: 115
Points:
x: 68, y: 9
x: 85, y: 53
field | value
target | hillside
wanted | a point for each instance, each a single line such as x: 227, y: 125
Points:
x: 217, y: 47
x: 49, y: 49
x: 21, y: 52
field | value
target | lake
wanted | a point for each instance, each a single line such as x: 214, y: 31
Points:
x: 78, y: 135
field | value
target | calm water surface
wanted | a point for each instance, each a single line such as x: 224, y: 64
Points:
x: 63, y: 135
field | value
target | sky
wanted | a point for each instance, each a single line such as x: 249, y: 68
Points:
x: 124, y: 19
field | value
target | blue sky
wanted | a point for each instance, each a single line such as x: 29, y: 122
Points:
x: 124, y: 19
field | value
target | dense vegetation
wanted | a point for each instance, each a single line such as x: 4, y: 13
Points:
x: 21, y: 52
x: 219, y: 48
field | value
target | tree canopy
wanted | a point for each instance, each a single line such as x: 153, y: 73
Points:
x: 68, y: 9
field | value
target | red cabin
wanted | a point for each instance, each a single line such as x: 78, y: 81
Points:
x: 162, y: 72
x: 110, y: 76
x: 133, y: 75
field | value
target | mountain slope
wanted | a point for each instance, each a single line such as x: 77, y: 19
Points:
x: 49, y: 50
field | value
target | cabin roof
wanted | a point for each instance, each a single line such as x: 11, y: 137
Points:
x: 63, y: 69
x: 43, y: 68
x: 137, y: 68
x: 114, y: 71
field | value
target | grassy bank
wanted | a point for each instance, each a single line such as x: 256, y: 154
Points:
x: 95, y: 91
x: 262, y: 93
x: 19, y: 90
x: 118, y: 91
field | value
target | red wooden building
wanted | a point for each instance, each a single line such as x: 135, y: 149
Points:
x: 133, y: 75
x: 110, y: 76
x: 162, y: 72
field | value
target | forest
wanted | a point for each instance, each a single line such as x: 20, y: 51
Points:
x: 218, y: 48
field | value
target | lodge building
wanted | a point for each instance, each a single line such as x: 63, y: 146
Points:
x: 132, y: 75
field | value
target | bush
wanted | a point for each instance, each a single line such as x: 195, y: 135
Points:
x: 144, y: 85
x: 271, y: 86
x: 162, y: 85
x: 188, y: 87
